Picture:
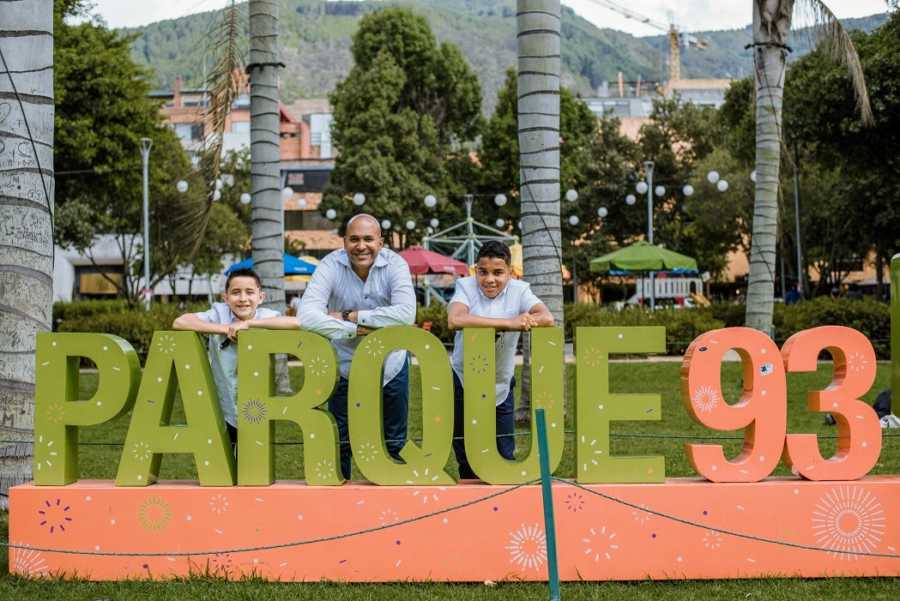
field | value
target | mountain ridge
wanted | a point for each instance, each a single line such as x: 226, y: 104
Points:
x: 315, y: 43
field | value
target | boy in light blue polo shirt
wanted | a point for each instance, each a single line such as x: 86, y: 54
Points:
x: 243, y: 295
x: 492, y: 299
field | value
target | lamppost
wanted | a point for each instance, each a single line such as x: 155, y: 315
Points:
x: 146, y: 292
x: 646, y: 187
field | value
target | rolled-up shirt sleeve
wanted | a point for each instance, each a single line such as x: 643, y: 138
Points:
x: 402, y: 310
x: 313, y: 314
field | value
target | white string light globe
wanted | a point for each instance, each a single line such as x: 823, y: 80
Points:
x: 630, y: 199
x: 722, y: 185
x: 571, y: 195
x: 602, y: 212
x: 500, y: 223
x: 331, y: 214
x: 410, y: 225
x: 753, y: 176
x: 642, y: 187
x: 430, y: 201
x: 182, y: 186
x: 246, y: 198
x: 713, y: 177
x: 359, y: 199
x: 287, y: 193
x: 434, y: 223
x: 500, y: 200
x: 386, y: 224
x: 688, y: 190
x: 573, y: 220
x: 660, y: 191
x: 302, y: 202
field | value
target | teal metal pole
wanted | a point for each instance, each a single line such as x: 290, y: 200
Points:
x: 895, y: 330
x: 547, y: 493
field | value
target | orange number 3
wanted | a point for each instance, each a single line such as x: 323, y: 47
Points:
x: 762, y: 408
x: 859, y: 433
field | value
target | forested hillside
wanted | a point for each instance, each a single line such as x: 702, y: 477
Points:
x: 315, y: 42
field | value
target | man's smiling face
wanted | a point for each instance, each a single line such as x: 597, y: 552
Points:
x: 363, y: 242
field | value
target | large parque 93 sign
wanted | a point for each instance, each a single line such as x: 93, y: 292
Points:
x: 177, y: 362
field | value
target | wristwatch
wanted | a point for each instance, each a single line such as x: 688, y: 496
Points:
x: 345, y: 315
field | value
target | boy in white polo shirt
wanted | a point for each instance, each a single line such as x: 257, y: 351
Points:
x: 492, y: 299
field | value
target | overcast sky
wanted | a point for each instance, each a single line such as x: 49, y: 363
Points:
x: 689, y: 14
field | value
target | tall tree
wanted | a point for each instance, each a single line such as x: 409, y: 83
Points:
x: 102, y: 112
x: 771, y: 25
x: 26, y: 215
x: 403, y: 119
x: 265, y: 148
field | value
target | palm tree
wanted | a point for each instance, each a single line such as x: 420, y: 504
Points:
x: 538, y: 107
x: 265, y: 151
x: 771, y: 25
x: 26, y: 210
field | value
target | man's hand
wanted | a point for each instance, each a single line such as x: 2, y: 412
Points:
x: 523, y: 322
x: 361, y: 331
x: 352, y: 316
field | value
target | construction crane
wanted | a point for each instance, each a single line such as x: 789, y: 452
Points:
x: 677, y: 39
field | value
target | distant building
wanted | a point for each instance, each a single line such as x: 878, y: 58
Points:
x: 307, y: 160
x: 632, y: 102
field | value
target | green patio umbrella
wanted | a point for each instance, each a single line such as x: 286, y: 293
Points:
x: 642, y: 256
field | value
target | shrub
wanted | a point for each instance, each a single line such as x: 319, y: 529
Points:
x: 682, y: 325
x: 867, y: 315
x: 437, y: 315
x: 115, y: 317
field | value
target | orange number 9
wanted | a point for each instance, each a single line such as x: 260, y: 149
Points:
x: 761, y: 410
x: 859, y: 433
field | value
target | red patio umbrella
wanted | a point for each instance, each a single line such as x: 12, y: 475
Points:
x: 422, y: 261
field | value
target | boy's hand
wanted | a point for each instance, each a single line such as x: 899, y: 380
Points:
x: 523, y: 322
x: 236, y: 327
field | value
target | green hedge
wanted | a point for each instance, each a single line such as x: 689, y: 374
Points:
x: 870, y: 317
x: 682, y: 325
x: 437, y: 315
x: 115, y: 317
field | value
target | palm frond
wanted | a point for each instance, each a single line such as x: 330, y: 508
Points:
x: 826, y: 27
x: 224, y: 82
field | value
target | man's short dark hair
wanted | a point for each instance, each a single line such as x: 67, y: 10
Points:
x: 493, y: 249
x: 242, y: 273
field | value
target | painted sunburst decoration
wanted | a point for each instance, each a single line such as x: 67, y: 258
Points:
x: 28, y: 563
x: 254, y: 411
x: 527, y: 547
x: 600, y: 543
x: 705, y: 399
x: 848, y: 520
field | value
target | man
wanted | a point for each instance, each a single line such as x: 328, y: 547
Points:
x: 353, y: 291
x: 491, y: 299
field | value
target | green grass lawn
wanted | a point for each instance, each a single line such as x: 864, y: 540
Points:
x: 663, y: 378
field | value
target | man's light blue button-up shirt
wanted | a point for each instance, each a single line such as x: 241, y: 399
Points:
x: 386, y: 298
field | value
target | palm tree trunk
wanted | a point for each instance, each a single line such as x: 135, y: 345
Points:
x: 771, y: 24
x: 539, y: 143
x: 26, y: 212
x: 267, y: 218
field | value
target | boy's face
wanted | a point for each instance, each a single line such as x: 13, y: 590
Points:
x: 492, y: 273
x: 243, y: 296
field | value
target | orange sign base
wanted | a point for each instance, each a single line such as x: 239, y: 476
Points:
x: 685, y: 528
